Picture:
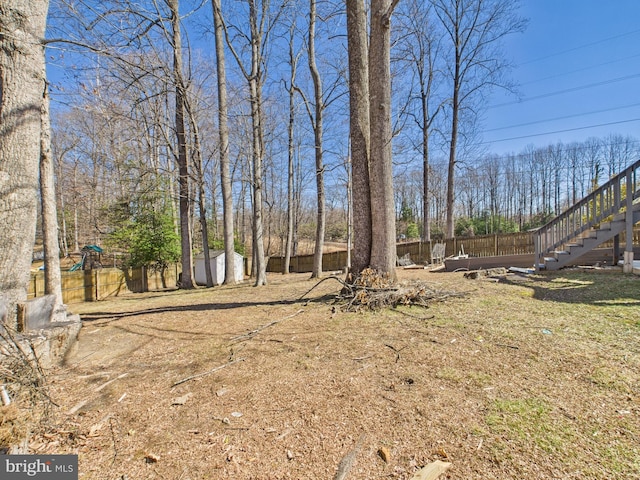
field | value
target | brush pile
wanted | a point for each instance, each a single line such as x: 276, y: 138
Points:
x: 24, y: 399
x: 374, y: 291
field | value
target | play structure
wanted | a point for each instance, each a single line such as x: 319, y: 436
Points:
x: 91, y: 259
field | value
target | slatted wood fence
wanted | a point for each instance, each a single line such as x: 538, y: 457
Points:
x: 94, y: 285
x: 420, y: 252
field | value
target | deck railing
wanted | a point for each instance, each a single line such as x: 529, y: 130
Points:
x: 609, y: 199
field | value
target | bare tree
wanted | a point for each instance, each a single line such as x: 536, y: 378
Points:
x: 52, y: 277
x: 261, y: 22
x: 223, y: 129
x: 419, y: 46
x: 317, y: 123
x: 182, y: 158
x: 475, y: 29
x: 291, y: 90
x: 200, y: 180
x: 370, y: 127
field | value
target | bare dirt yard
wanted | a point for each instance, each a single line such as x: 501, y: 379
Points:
x: 535, y: 377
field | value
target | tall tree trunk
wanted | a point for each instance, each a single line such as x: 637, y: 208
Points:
x: 426, y: 201
x: 258, y: 229
x: 452, y: 157
x: 255, y: 92
x: 202, y: 205
x: 76, y: 222
x: 317, y: 131
x: 359, y: 132
x: 293, y: 62
x: 52, y: 277
x: 225, y: 167
x: 255, y: 79
x: 349, y: 213
x: 383, y: 226
x: 63, y: 233
x: 22, y: 80
x: 183, y: 167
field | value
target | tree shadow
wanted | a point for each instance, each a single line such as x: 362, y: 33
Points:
x: 200, y: 307
x: 611, y: 288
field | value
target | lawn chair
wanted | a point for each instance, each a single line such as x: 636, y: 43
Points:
x: 437, y: 253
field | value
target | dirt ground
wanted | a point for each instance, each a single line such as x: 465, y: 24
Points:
x: 530, y: 378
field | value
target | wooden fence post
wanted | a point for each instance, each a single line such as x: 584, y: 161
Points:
x: 89, y: 286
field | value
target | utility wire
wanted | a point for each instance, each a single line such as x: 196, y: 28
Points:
x: 578, y: 70
x: 584, y: 114
x: 567, y: 90
x: 559, y: 131
x: 579, y: 47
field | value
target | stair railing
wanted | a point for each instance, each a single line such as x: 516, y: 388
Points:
x: 608, y: 199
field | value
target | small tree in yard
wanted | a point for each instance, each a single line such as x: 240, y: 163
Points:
x: 150, y: 239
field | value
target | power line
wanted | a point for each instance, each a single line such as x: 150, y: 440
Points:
x: 561, y: 118
x: 591, y: 67
x: 559, y: 131
x: 567, y: 90
x: 579, y: 47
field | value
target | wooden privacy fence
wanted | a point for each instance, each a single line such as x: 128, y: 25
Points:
x: 94, y: 285
x: 420, y: 252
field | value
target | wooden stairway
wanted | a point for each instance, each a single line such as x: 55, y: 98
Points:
x: 609, y: 211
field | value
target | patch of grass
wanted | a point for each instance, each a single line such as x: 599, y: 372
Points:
x: 479, y: 378
x: 528, y: 421
x: 610, y: 379
x: 620, y: 459
x: 450, y: 374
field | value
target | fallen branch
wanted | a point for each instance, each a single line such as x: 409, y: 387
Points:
x: 101, y: 387
x: 253, y: 333
x: 208, y: 372
x: 347, y: 461
x: 397, y: 352
x: 357, y: 359
x: 342, y: 282
x: 418, y: 317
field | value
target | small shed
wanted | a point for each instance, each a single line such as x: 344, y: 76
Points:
x: 216, y: 259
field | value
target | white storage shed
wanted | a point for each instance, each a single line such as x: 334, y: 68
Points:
x: 216, y: 259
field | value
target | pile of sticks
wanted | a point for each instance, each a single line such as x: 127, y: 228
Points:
x: 373, y: 291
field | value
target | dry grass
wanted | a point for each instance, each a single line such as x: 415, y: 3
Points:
x: 529, y: 379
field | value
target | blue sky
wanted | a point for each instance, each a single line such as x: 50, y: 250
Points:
x: 577, y: 62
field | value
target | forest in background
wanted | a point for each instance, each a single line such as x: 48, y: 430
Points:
x: 114, y: 133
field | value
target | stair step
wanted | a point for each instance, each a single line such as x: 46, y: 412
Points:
x: 588, y: 235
